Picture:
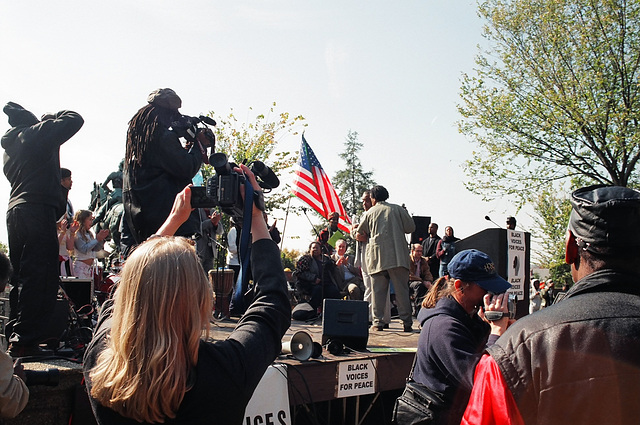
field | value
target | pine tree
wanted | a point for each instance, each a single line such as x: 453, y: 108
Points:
x: 351, y: 181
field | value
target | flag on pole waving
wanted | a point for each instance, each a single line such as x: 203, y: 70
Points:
x: 312, y: 185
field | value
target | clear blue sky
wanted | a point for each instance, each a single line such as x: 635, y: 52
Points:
x: 388, y: 70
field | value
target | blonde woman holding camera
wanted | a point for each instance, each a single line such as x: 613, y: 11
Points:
x: 151, y: 361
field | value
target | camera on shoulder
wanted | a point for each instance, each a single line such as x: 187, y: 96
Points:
x: 188, y: 128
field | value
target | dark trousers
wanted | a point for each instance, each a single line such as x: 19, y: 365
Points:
x: 318, y: 292
x: 418, y: 290
x: 33, y: 249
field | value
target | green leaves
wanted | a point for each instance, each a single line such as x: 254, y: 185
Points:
x: 555, y: 96
x: 257, y: 139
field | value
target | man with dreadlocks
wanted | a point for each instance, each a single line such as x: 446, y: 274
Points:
x: 157, y: 167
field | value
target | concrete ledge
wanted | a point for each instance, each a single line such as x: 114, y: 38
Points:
x: 51, y: 405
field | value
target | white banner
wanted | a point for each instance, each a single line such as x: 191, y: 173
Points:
x: 516, y: 249
x: 270, y: 401
x: 356, y: 378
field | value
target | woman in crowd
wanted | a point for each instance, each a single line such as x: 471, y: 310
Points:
x: 86, y: 245
x: 150, y: 361
x: 535, y: 299
x: 454, y: 333
x: 446, y: 249
x: 66, y: 242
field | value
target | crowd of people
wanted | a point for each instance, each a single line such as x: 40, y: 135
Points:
x: 477, y: 362
x: 375, y: 263
x: 47, y: 239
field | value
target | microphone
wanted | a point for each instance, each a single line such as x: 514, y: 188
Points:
x: 486, y: 217
x: 207, y: 120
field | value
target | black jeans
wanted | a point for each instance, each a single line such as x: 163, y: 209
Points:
x: 33, y: 249
x: 318, y: 292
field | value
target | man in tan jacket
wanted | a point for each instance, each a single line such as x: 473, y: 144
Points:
x: 387, y: 255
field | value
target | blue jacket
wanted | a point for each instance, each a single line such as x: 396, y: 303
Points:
x: 450, y: 345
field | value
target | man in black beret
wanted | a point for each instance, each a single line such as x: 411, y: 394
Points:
x: 32, y: 166
x: 578, y: 361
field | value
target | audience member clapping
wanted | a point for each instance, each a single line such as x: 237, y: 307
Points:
x: 86, y: 245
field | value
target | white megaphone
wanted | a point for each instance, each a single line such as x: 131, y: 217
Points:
x: 299, y: 346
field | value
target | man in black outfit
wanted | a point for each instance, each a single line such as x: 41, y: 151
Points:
x: 429, y: 246
x: 32, y: 166
x: 157, y: 167
x: 66, y: 182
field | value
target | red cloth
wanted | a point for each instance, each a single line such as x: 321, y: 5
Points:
x: 491, y: 402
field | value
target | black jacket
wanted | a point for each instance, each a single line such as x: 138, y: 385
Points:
x: 578, y: 361
x: 32, y: 160
x: 229, y: 370
x: 307, y: 271
x: 150, y: 189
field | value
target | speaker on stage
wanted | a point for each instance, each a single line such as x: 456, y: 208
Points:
x: 422, y: 228
x: 79, y: 291
x: 346, y: 321
x: 55, y: 325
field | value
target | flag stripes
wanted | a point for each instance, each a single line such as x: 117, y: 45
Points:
x: 313, y: 186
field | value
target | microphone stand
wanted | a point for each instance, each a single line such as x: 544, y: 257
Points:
x: 486, y: 217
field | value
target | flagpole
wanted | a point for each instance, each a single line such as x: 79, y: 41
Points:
x: 286, y: 217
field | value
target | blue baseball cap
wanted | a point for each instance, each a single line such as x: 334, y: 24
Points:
x: 475, y: 266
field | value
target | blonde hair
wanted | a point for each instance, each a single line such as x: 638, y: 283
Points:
x: 443, y: 287
x: 161, y: 308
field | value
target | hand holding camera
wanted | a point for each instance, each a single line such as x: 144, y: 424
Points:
x: 223, y: 188
x: 259, y: 228
x: 180, y: 212
x: 499, y: 311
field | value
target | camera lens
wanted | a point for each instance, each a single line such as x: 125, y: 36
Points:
x: 219, y: 161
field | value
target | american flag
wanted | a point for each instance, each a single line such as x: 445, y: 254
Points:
x: 312, y: 185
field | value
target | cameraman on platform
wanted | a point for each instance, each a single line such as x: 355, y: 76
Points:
x: 158, y: 167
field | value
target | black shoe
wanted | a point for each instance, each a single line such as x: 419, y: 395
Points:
x: 376, y: 328
x: 386, y: 326
x: 408, y: 328
x: 27, y: 350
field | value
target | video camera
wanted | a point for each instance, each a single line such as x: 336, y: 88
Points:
x: 187, y: 127
x: 223, y: 188
x: 497, y: 315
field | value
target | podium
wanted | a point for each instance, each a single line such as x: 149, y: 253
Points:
x: 495, y: 244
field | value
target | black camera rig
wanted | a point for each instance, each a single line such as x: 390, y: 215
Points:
x: 223, y: 188
x: 189, y: 128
